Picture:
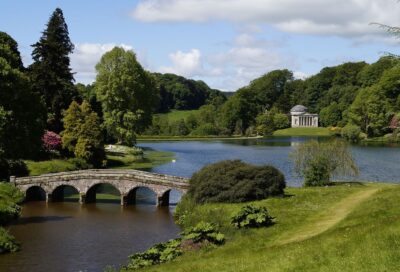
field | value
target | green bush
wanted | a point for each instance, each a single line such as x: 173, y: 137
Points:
x: 281, y: 121
x: 351, y: 133
x: 206, y: 129
x: 12, y: 168
x: 204, y: 232
x: 317, y: 172
x: 235, y: 181
x: 10, y: 197
x: 7, y: 242
x: 157, y: 254
x: 252, y: 217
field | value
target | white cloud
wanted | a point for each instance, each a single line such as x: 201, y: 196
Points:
x: 319, y: 17
x: 87, y: 55
x: 186, y: 64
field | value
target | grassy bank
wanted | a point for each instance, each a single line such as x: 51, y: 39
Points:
x: 319, y: 131
x: 341, y: 228
x: 116, y: 160
x: 10, y: 197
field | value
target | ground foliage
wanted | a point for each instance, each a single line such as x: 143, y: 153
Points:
x: 252, y: 217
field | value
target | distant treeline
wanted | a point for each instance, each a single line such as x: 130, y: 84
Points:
x: 363, y: 96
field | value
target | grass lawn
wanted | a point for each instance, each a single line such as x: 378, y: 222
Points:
x: 319, y: 131
x: 120, y: 160
x: 176, y: 115
x: 339, y: 228
x: 99, y: 196
x: 37, y: 168
x: 151, y: 158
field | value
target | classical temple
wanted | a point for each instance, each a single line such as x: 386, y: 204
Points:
x: 301, y: 118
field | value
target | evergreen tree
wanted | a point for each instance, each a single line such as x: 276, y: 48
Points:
x: 50, y: 73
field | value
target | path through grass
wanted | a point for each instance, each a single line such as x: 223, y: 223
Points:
x: 327, y: 219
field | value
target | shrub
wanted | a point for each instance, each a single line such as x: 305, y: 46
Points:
x: 204, y: 232
x: 51, y: 141
x: 317, y: 172
x: 157, y: 254
x: 12, y: 168
x: 7, y: 242
x: 205, y: 130
x: 281, y: 121
x: 317, y: 161
x: 351, y: 133
x: 252, y: 217
x: 165, y: 252
x: 235, y: 181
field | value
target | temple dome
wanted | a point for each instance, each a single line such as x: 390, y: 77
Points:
x: 299, y: 109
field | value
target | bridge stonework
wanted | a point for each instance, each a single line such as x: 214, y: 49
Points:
x: 126, y: 181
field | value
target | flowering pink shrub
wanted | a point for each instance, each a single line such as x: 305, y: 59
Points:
x: 51, y: 140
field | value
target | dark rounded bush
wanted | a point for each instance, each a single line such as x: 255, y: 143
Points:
x: 235, y: 181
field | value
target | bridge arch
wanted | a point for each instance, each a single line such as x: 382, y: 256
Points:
x: 35, y: 193
x: 61, y: 191
x: 170, y: 196
x: 94, y: 189
x: 140, y: 193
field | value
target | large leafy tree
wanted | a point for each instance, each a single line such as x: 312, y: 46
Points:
x: 369, y: 111
x: 50, y: 72
x: 127, y: 94
x: 21, y: 111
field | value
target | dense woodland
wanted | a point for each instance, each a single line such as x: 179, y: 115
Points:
x: 44, y: 113
x: 354, y: 95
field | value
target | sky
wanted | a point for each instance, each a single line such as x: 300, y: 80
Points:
x: 226, y: 43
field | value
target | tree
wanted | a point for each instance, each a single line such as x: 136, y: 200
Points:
x: 83, y: 135
x: 127, y: 94
x: 330, y: 115
x: 21, y: 111
x: 318, y: 162
x: 50, y: 72
x: 369, y: 111
x: 240, y: 108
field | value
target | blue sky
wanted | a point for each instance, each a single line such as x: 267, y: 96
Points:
x: 226, y: 43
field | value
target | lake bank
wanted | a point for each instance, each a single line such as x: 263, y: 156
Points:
x: 348, y: 227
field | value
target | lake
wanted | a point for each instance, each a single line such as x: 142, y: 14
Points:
x: 70, y: 237
x: 375, y: 162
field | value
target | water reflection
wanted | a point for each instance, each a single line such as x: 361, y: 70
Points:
x: 72, y: 237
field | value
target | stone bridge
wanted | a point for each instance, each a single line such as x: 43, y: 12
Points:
x: 51, y: 186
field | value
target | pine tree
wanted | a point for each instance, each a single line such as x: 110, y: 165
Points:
x: 50, y: 73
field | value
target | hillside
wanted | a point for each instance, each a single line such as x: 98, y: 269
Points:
x: 341, y: 228
x: 179, y: 93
